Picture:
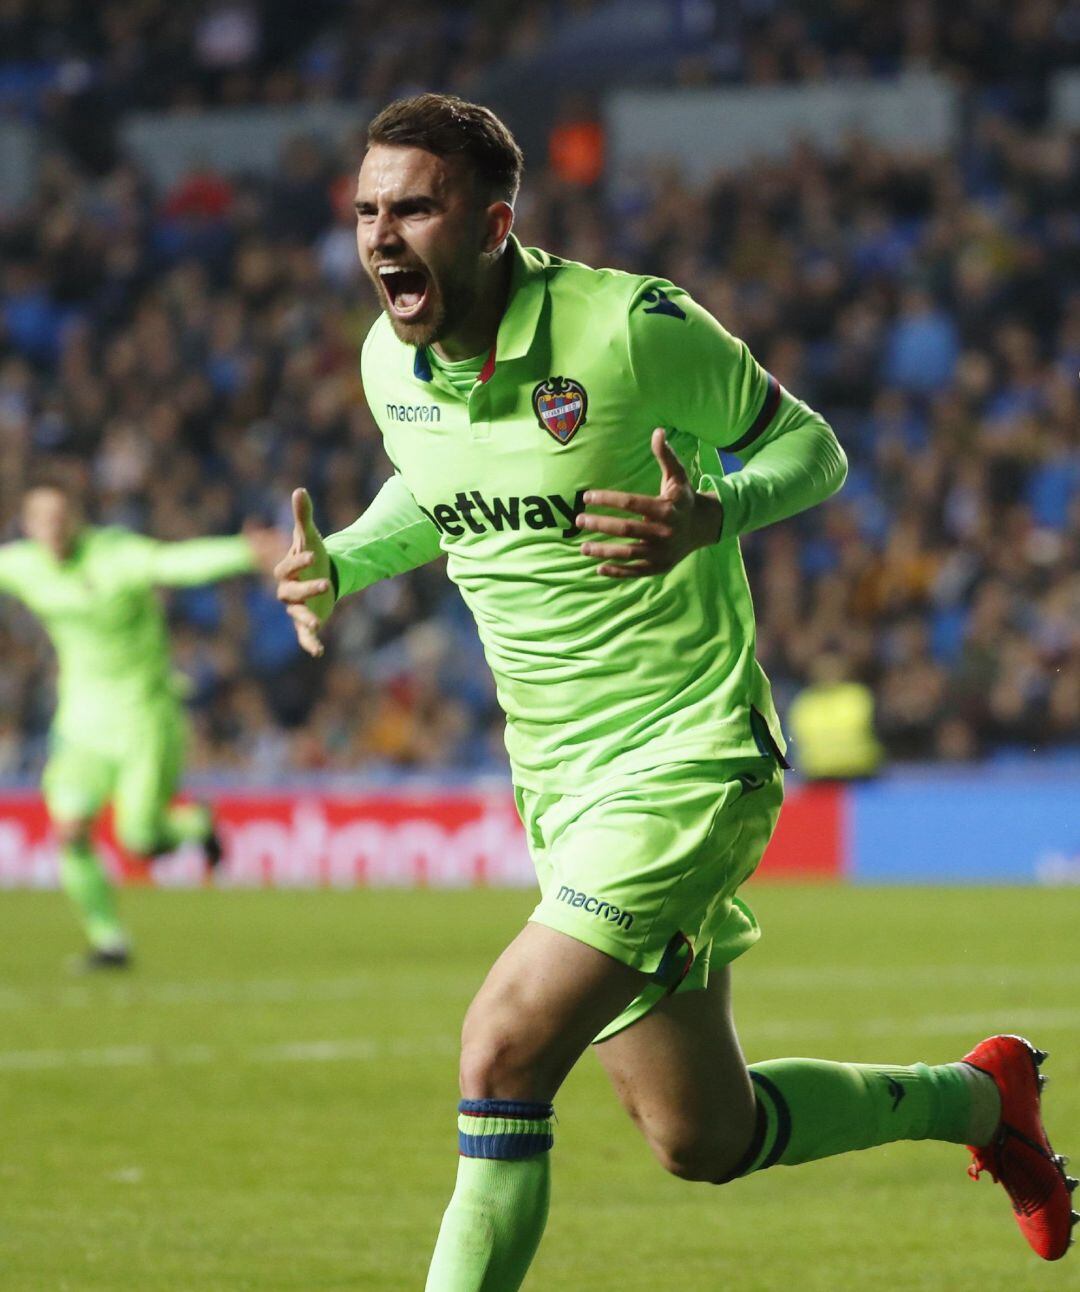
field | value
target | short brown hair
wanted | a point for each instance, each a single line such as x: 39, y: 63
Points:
x: 448, y: 126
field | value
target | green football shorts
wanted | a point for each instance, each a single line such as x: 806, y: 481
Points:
x: 137, y: 767
x: 647, y: 872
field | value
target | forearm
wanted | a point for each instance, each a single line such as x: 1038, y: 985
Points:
x: 795, y: 465
x: 391, y: 537
x: 201, y: 560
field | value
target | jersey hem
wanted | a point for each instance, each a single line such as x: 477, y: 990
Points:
x: 650, y: 761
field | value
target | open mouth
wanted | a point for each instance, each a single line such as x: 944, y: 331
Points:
x: 406, y: 290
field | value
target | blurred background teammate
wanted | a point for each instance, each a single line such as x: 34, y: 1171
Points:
x: 118, y: 733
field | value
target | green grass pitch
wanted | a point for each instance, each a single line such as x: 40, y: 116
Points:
x: 267, y: 1100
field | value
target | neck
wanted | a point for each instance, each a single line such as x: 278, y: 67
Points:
x: 65, y: 550
x: 477, y: 333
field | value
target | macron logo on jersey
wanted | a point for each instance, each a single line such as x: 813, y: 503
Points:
x: 472, y: 511
x: 414, y: 412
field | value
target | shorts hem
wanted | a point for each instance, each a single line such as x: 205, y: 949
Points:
x: 643, y: 961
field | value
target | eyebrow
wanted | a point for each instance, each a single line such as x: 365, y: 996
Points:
x: 412, y: 201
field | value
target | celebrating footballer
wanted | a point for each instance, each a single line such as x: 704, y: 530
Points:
x: 554, y: 432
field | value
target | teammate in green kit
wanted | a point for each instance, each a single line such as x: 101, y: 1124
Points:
x: 118, y: 733
x: 554, y: 432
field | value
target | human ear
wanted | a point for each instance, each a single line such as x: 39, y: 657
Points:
x: 499, y: 219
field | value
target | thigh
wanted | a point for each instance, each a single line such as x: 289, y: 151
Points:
x: 627, y: 870
x: 539, y: 1008
x: 680, y: 1073
x: 77, y: 781
x: 147, y: 780
x: 648, y: 872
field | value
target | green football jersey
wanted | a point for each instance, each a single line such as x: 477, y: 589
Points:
x: 597, y: 676
x: 105, y: 623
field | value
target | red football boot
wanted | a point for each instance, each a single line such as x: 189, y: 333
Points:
x: 1019, y: 1157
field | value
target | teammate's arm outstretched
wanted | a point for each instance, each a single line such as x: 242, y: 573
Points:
x: 194, y: 561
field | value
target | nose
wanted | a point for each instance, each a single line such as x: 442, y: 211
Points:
x: 383, y: 233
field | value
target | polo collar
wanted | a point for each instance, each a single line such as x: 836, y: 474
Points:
x: 524, y: 304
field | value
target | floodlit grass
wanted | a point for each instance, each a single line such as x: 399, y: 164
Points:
x: 267, y: 1100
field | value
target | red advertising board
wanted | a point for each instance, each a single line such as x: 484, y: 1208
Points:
x: 438, y: 839
x: 811, y: 839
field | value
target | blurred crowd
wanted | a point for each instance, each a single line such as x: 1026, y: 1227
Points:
x: 194, y: 355
x: 186, y: 54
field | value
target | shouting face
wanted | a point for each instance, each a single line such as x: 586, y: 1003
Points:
x: 425, y: 236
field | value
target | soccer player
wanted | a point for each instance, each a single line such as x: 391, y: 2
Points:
x: 554, y: 432
x: 118, y: 732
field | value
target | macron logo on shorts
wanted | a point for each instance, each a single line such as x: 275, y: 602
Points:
x: 594, y: 906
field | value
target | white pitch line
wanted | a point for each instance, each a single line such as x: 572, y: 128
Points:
x: 356, y: 1050
x: 253, y: 991
x: 902, y: 976
x: 421, y: 983
x: 368, y: 1049
x: 985, y: 1022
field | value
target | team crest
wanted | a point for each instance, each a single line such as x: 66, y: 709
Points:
x: 560, y: 405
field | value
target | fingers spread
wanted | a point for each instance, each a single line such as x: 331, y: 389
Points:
x: 294, y: 591
x: 635, y: 570
x: 291, y: 562
x: 616, y: 551
x: 301, y: 508
x: 309, y: 642
x: 303, y: 617
x: 622, y: 527
x: 669, y: 463
x: 307, y: 627
x: 642, y: 504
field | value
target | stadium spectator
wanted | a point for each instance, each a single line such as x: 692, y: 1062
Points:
x: 831, y: 723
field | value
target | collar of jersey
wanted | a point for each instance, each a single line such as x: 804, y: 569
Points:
x: 528, y: 289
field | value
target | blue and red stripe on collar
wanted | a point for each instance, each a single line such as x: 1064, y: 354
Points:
x: 422, y: 365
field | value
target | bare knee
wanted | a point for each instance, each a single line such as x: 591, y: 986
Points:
x: 701, y: 1161
x: 499, y: 1060
x: 710, y: 1154
x: 140, y: 839
x: 72, y: 834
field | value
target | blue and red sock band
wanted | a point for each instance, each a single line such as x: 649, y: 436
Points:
x: 504, y: 1129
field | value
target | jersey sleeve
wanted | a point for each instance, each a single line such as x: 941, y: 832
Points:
x: 696, y: 377
x: 148, y: 562
x: 391, y: 537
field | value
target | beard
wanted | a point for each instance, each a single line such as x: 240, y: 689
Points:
x: 449, y: 302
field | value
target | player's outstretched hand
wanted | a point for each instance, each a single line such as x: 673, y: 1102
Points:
x: 308, y: 600
x: 660, y: 530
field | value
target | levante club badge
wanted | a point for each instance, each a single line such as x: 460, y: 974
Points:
x: 560, y: 405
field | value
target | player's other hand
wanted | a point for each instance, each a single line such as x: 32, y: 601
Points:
x: 303, y: 577
x: 266, y: 544
x: 660, y: 531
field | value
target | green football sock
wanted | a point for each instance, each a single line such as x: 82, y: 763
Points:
x: 809, y: 1108
x: 84, y: 880
x: 186, y: 823
x: 493, y: 1225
